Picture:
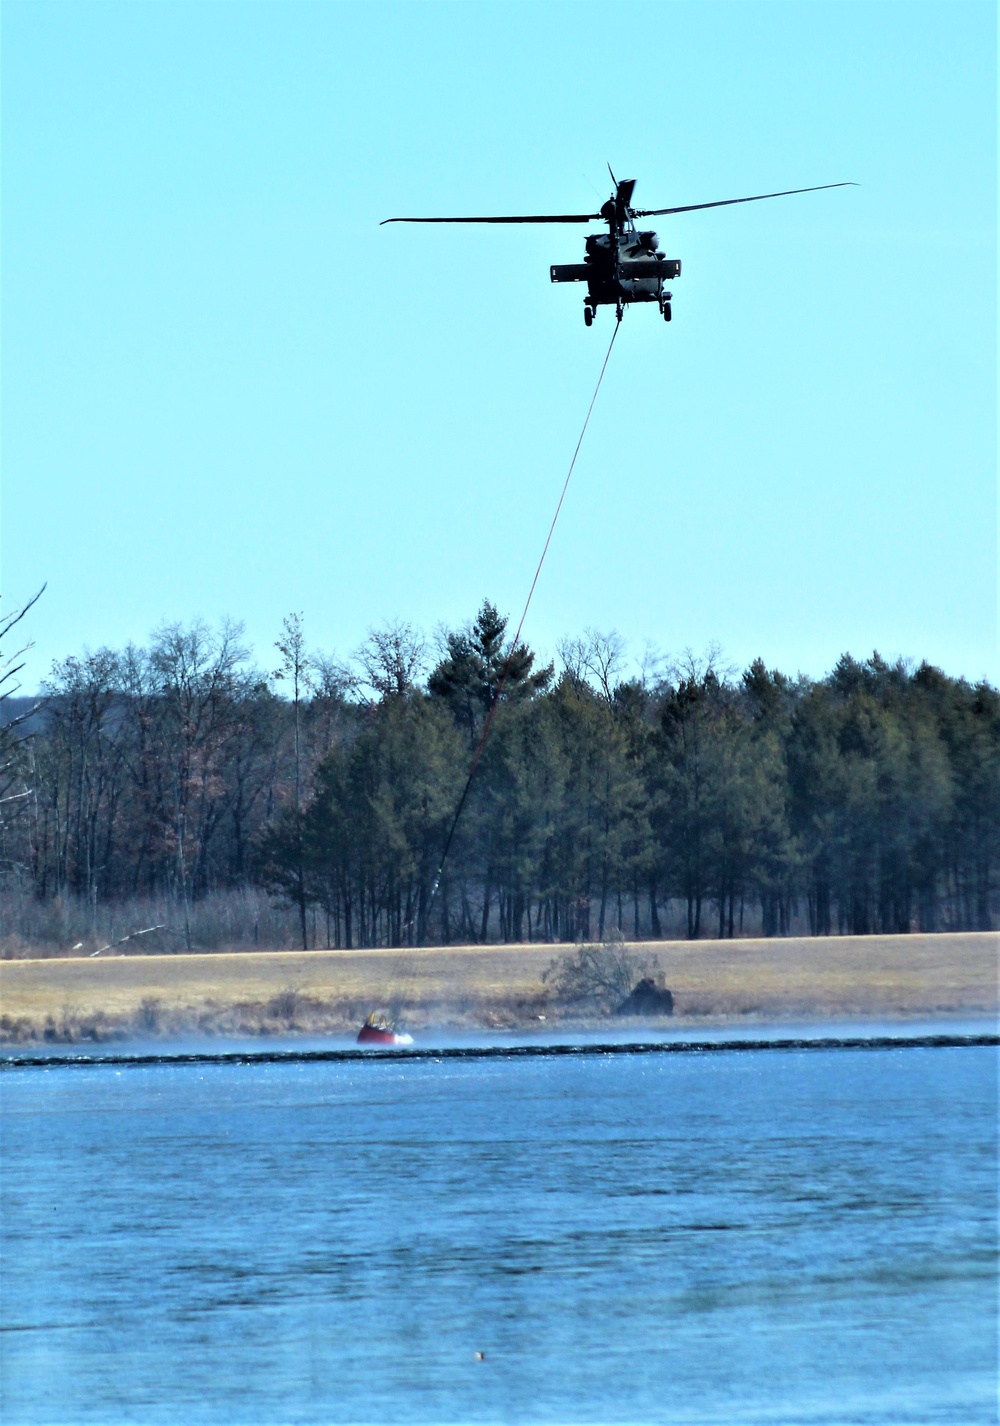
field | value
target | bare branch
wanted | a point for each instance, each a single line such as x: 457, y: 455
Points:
x: 6, y: 624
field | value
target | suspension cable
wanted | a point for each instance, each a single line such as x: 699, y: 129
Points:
x: 495, y: 700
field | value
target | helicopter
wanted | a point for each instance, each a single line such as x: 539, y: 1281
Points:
x: 623, y: 265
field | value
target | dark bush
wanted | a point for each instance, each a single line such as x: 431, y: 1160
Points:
x: 647, y: 998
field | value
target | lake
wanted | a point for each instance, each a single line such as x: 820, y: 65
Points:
x: 728, y: 1235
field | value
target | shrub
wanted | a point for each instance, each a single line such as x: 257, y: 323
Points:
x: 603, y: 974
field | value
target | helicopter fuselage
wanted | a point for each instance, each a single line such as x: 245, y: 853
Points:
x: 621, y: 266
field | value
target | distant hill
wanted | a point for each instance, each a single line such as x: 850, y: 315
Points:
x: 13, y: 708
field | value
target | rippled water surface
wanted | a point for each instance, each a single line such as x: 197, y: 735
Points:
x: 793, y: 1236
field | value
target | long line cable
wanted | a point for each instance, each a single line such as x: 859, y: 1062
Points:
x: 495, y: 700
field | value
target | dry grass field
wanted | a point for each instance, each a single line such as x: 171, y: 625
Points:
x: 279, y: 992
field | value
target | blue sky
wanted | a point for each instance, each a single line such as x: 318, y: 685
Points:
x: 227, y: 391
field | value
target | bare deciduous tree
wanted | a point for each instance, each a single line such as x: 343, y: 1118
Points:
x: 392, y: 659
x: 15, y: 794
x: 597, y: 658
x: 296, y: 668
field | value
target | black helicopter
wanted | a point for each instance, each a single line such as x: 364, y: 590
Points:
x: 623, y: 265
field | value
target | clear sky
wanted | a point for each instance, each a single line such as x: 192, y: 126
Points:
x: 227, y: 391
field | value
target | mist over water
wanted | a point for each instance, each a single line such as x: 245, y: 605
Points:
x: 790, y: 1236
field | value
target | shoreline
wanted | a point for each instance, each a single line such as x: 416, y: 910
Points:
x: 261, y: 994
x: 651, y: 1043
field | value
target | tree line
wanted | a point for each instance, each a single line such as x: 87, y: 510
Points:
x: 690, y: 798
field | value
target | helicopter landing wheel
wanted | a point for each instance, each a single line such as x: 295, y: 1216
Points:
x: 666, y: 312
x: 588, y: 315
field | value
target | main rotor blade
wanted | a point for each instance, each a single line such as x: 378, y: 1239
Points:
x: 533, y: 218
x: 725, y: 202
